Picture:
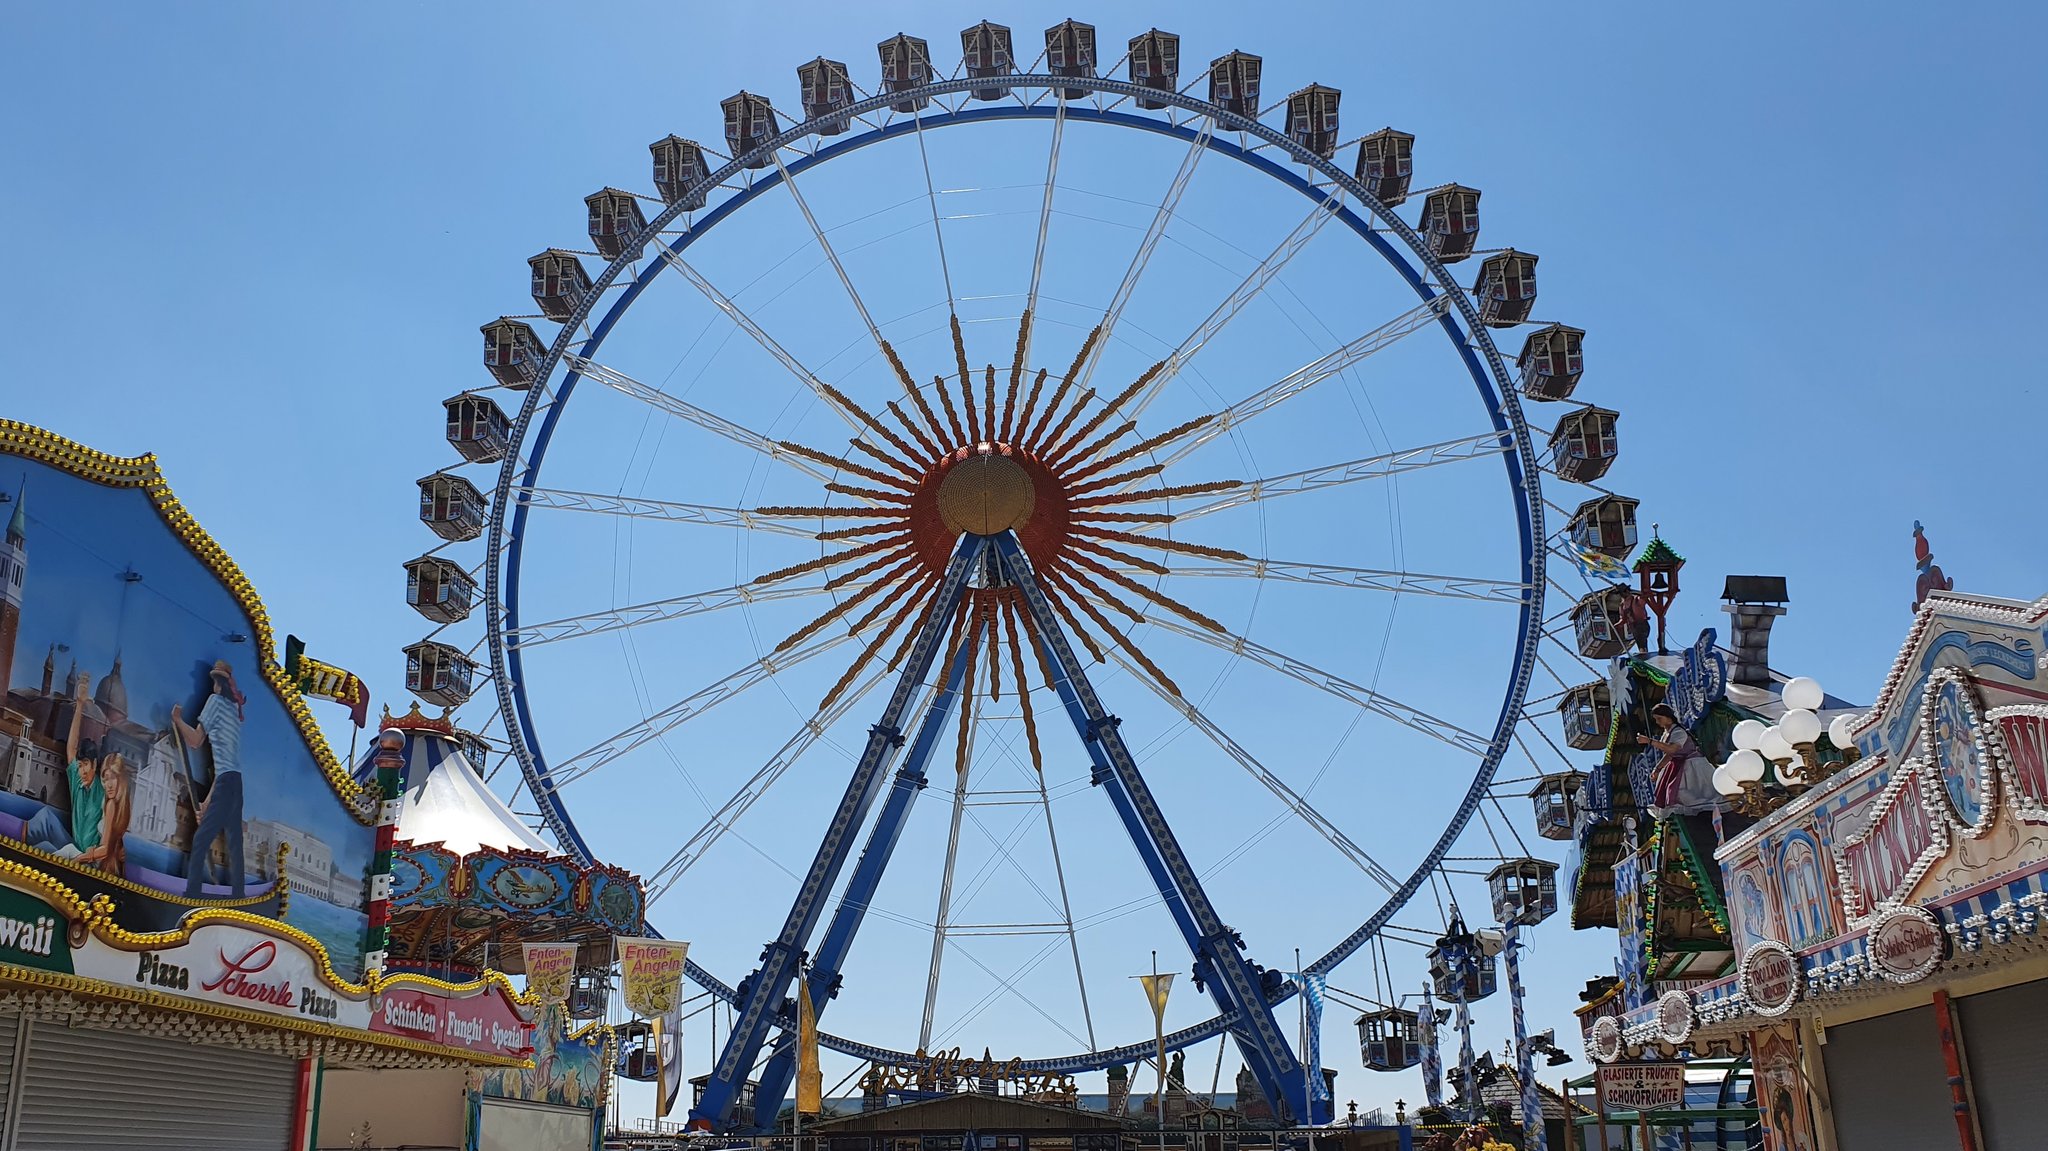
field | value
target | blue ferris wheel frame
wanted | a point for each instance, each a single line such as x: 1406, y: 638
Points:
x: 1460, y: 322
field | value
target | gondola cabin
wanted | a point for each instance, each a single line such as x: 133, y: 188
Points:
x: 615, y: 221
x: 1070, y: 51
x: 451, y: 506
x: 1389, y: 1039
x: 438, y: 589
x: 1606, y: 525
x: 1312, y: 119
x: 985, y: 51
x: 1155, y: 65
x: 590, y: 989
x: 512, y: 352
x: 749, y: 123
x: 1524, y: 891
x: 1506, y: 288
x: 1551, y: 362
x: 1583, y: 445
x: 559, y: 283
x: 1234, y: 83
x: 679, y: 171
x: 1588, y: 710
x: 1450, y: 222
x: 1386, y: 162
x: 825, y: 91
x: 1556, y: 798
x: 1458, y: 967
x: 475, y: 748
x: 477, y: 428
x: 639, y: 1060
x: 1600, y: 622
x: 439, y: 674
x: 906, y: 64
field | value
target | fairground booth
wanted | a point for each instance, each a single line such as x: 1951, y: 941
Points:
x: 189, y: 877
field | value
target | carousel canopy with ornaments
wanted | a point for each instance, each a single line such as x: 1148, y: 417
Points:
x: 470, y: 882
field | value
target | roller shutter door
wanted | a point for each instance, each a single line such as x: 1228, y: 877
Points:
x: 106, y: 1089
x: 2008, y: 1062
x: 10, y: 1028
x: 1889, y: 1083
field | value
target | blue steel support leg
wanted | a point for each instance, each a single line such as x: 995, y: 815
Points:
x: 1219, y: 962
x: 762, y: 993
x: 860, y: 890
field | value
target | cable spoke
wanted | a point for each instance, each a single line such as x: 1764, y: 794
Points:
x: 655, y: 611
x: 845, y: 280
x: 1483, y: 446
x: 683, y: 409
x: 1376, y: 579
x: 1052, y: 171
x: 689, y: 707
x: 1300, y: 806
x: 633, y: 506
x: 1160, y: 219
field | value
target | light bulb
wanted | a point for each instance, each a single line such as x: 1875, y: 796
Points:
x: 1775, y: 746
x: 1799, y: 726
x: 1839, y: 731
x: 1804, y: 692
x: 1747, y: 733
x: 1746, y: 766
x: 1725, y: 781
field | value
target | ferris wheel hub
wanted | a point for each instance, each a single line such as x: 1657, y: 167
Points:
x: 985, y: 492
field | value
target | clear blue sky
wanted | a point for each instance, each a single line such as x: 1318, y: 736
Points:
x: 258, y: 240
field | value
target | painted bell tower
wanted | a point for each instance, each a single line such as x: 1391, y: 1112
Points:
x: 13, y: 578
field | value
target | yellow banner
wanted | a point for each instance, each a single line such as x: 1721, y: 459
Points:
x: 651, y: 975
x: 549, y: 967
x: 668, y: 1051
x: 1156, y: 989
x: 810, y: 1078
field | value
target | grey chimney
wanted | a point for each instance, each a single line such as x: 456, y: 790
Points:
x: 1754, y: 602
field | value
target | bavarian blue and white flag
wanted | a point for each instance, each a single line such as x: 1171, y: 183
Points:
x: 1311, y: 985
x: 1533, y: 1135
x: 1599, y: 565
x: 1432, y: 1058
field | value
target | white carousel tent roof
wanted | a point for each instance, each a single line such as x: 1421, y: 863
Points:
x: 446, y: 802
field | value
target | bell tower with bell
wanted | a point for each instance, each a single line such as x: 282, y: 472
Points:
x: 1657, y: 581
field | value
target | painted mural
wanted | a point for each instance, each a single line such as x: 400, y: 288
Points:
x: 1781, y: 1092
x: 150, y: 750
x: 570, y: 1068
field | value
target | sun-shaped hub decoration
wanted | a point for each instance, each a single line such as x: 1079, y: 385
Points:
x: 1044, y: 463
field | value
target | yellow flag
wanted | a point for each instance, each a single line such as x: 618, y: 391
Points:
x: 810, y: 1079
x: 1156, y: 988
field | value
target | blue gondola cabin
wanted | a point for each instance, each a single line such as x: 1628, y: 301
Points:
x: 1234, y: 83
x: 1556, y: 798
x: 559, y: 283
x: 679, y: 171
x: 1588, y: 712
x: 1552, y: 360
x: 477, y: 428
x: 906, y: 64
x: 512, y: 352
x: 1600, y: 622
x: 1524, y: 891
x: 1386, y: 163
x: 1458, y: 967
x: 1070, y: 51
x: 439, y: 674
x: 615, y: 221
x: 1606, y: 525
x: 451, y: 506
x: 985, y: 51
x: 1450, y: 222
x: 1155, y: 65
x: 1506, y: 288
x: 438, y: 589
x: 749, y: 123
x: 1390, y: 1039
x: 1312, y: 119
x: 1583, y: 445
x: 825, y: 90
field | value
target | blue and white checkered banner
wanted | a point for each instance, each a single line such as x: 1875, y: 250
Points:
x: 1432, y: 1056
x: 1533, y: 1135
x: 1312, y: 985
x: 1468, y: 1085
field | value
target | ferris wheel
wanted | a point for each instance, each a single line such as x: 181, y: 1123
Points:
x: 1018, y: 437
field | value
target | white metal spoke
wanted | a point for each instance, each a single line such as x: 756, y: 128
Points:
x: 1483, y: 446
x: 846, y: 281
x: 1373, y: 701
x: 1301, y: 807
x: 1247, y: 291
x: 683, y: 409
x: 1153, y: 234
x: 1302, y: 379
x: 940, y: 924
x: 760, y: 335
x: 1375, y: 579
x: 931, y: 195
x: 1052, y: 170
x: 729, y: 813
x: 673, y: 607
x: 635, y: 507
x: 690, y: 707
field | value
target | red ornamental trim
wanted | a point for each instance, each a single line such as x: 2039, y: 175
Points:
x: 237, y: 978
x: 1902, y: 839
x: 2021, y: 732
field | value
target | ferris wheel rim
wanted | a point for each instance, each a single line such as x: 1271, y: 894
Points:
x: 1460, y: 322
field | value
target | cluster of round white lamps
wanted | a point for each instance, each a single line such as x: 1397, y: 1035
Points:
x: 1758, y: 745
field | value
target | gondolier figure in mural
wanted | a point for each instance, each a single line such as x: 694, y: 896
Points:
x: 219, y: 729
